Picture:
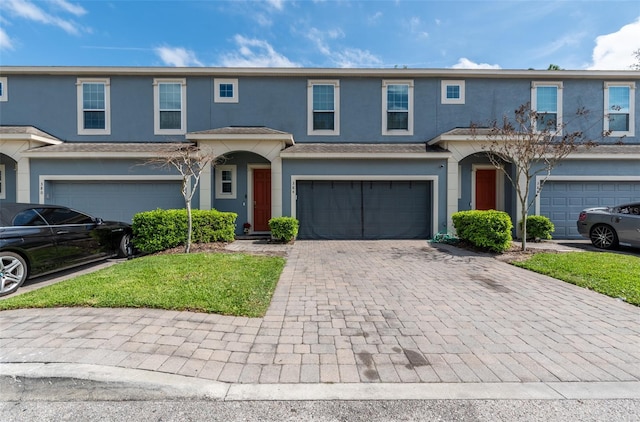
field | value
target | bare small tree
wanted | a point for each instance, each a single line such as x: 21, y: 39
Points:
x: 189, y: 160
x: 533, y: 143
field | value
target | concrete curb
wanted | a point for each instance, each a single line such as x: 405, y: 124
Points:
x: 176, y: 386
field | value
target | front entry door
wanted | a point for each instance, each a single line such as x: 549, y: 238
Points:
x: 486, y: 189
x: 261, y: 199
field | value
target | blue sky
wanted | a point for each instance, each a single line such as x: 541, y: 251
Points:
x: 507, y: 34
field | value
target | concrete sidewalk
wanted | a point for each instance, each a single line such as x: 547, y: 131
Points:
x: 374, y: 319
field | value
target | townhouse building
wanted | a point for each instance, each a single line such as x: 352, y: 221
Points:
x: 351, y: 153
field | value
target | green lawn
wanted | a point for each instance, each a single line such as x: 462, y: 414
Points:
x: 612, y: 274
x: 222, y: 283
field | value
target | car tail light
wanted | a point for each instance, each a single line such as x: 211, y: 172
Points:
x: 582, y: 216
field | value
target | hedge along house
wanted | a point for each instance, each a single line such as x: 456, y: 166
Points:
x: 351, y: 153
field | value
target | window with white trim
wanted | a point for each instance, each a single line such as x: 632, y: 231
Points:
x: 225, y: 90
x: 226, y: 177
x: 546, y: 101
x: 397, y: 107
x: 170, y: 106
x: 323, y: 107
x: 3, y: 89
x: 619, y: 108
x: 94, y: 115
x: 452, y: 92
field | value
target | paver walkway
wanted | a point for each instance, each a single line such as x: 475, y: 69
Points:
x: 360, y: 312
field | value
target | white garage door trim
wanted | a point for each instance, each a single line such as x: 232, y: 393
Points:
x: 99, y: 178
x: 434, y: 190
x: 539, y: 180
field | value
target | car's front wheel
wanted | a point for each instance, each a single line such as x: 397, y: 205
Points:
x: 13, y: 272
x: 603, y: 237
x: 125, y: 249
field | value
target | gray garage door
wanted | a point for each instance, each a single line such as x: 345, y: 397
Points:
x: 364, y: 209
x: 563, y: 201
x: 117, y: 201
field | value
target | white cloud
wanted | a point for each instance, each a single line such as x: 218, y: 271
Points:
x: 464, y: 63
x: 5, y: 41
x: 345, y: 57
x: 28, y: 10
x: 255, y: 53
x: 568, y: 41
x: 375, y: 18
x: 615, y: 51
x: 354, y: 57
x: 416, y: 27
x: 276, y: 4
x: 74, y: 9
x: 177, y: 56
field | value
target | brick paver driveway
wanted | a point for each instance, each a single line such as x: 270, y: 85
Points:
x: 361, y: 311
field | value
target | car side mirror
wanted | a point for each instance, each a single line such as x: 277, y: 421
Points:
x: 98, y: 221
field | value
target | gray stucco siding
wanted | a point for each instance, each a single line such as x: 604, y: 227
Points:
x: 360, y: 169
x: 49, y: 102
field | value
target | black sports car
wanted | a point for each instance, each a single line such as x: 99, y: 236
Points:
x: 37, y: 239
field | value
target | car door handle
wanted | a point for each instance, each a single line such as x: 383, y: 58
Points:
x: 62, y: 232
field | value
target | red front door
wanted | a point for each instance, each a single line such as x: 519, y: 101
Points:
x: 261, y: 199
x: 485, y: 189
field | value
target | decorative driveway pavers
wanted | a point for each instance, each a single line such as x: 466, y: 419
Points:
x: 360, y: 312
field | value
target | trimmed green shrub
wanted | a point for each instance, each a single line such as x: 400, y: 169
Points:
x: 158, y: 230
x: 489, y: 230
x: 538, y: 227
x: 284, y: 229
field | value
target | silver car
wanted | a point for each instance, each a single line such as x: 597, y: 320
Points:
x: 608, y: 227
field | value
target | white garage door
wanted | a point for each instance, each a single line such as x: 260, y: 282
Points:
x: 117, y: 201
x: 562, y: 201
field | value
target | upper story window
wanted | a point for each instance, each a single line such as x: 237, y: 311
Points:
x: 170, y: 108
x: 452, y: 92
x: 225, y: 90
x: 546, y: 101
x: 619, y: 108
x: 323, y: 104
x: 94, y: 116
x: 226, y: 181
x: 397, y: 107
x: 3, y: 89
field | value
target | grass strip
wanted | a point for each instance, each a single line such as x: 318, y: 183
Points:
x: 222, y: 283
x: 612, y: 274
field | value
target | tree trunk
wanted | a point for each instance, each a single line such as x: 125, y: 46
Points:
x: 524, y: 229
x: 187, y: 248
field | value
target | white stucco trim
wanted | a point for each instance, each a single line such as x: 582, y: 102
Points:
x: 336, y: 107
x: 14, y: 146
x: 97, y: 178
x: 397, y: 132
x: 107, y: 106
x: 156, y: 106
x: 366, y: 155
x: 267, y: 146
x: 594, y: 178
x: 434, y: 191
